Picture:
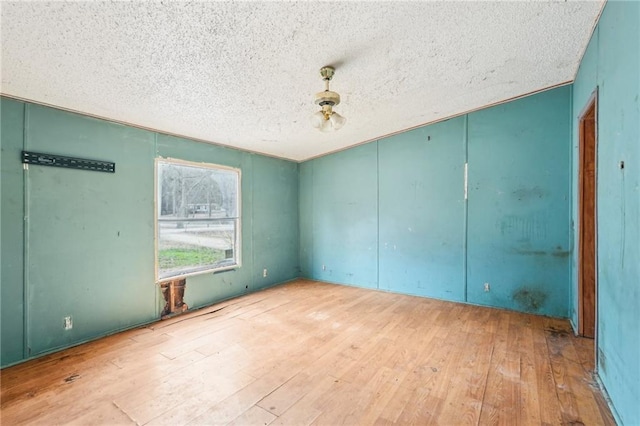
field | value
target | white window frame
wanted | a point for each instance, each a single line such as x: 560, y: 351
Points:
x: 157, y: 209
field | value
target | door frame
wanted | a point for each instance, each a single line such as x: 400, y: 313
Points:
x: 592, y: 102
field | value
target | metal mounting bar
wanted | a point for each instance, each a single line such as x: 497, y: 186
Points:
x: 53, y: 160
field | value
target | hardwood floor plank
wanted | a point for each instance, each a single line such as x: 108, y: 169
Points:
x: 302, y: 412
x: 254, y: 416
x: 376, y: 395
x: 465, y: 392
x: 338, y: 404
x: 105, y: 413
x: 280, y: 400
x: 315, y: 353
x: 529, y: 394
x: 181, y: 406
x: 188, y: 343
x: 574, y: 385
x: 500, y: 402
x: 396, y: 405
x: 423, y: 408
x: 545, y: 383
x: 234, y: 405
x: 155, y: 396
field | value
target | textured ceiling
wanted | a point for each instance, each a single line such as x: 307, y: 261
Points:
x: 244, y: 74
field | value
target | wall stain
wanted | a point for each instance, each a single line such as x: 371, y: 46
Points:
x: 602, y: 361
x: 557, y: 252
x: 528, y: 193
x: 531, y: 252
x: 529, y: 228
x: 529, y: 299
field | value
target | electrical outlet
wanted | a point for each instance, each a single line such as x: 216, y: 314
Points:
x: 68, y: 323
x: 264, y: 273
x: 487, y: 287
x: 324, y: 268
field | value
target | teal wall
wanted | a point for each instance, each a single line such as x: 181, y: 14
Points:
x: 338, y: 217
x: 519, y: 228
x: 611, y: 65
x: 89, y: 236
x: 11, y: 232
x: 422, y: 211
x: 392, y: 214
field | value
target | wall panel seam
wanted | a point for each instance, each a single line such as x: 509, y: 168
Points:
x: 25, y: 239
x: 465, y: 233
x: 378, y: 213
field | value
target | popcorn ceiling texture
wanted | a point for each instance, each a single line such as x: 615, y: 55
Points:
x: 244, y: 74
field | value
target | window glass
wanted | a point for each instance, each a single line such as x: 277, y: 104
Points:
x: 198, y: 218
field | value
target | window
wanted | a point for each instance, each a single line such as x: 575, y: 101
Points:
x: 198, y: 218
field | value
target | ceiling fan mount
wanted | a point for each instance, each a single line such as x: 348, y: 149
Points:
x: 326, y: 119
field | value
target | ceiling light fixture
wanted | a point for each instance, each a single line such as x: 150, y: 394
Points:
x: 327, y: 119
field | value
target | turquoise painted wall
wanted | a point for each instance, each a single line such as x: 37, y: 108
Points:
x: 90, y: 236
x: 422, y: 211
x: 612, y: 65
x: 275, y: 235
x: 11, y: 232
x: 392, y: 215
x: 519, y: 228
x: 339, y: 223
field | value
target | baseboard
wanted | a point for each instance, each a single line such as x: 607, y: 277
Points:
x: 607, y: 399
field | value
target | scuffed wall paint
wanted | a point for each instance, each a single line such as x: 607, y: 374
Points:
x: 514, y: 236
x: 519, y: 204
x: 90, y: 236
x: 611, y: 65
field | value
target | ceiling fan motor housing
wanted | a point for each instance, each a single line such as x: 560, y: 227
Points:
x: 327, y: 98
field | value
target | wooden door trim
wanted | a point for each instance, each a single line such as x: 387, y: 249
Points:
x: 592, y: 103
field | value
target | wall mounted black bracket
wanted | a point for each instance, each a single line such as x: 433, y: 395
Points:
x: 40, y: 159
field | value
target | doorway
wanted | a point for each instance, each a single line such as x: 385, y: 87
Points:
x: 587, y: 276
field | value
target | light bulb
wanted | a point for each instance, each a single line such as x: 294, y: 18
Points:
x: 317, y: 119
x: 337, y: 120
x: 326, y: 126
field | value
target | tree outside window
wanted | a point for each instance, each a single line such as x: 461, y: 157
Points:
x: 198, y: 218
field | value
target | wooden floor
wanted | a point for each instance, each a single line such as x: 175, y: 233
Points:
x: 312, y: 353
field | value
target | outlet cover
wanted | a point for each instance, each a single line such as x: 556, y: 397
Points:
x: 68, y: 323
